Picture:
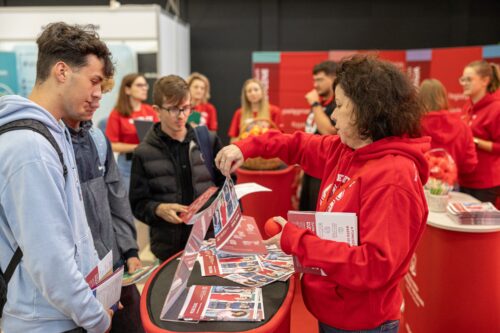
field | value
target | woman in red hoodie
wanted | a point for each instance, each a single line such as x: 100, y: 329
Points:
x: 375, y: 168
x: 479, y: 81
x: 446, y: 129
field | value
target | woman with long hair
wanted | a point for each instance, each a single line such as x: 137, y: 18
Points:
x: 254, y: 105
x: 203, y: 112
x: 480, y: 81
x: 446, y: 129
x: 120, y: 128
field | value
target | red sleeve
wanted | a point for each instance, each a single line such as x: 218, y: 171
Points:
x: 308, y: 150
x: 276, y: 115
x: 234, y: 128
x: 468, y: 161
x: 389, y: 238
x: 113, y: 127
x: 212, y: 117
x: 494, y: 128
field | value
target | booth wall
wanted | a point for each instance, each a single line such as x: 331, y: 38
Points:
x: 224, y: 33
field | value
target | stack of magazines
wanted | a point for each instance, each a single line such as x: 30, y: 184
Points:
x: 483, y: 213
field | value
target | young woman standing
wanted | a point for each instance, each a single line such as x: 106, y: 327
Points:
x: 120, y: 128
x: 482, y: 113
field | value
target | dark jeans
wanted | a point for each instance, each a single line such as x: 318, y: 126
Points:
x: 76, y: 330
x: 390, y: 326
x: 128, y: 319
x: 483, y: 194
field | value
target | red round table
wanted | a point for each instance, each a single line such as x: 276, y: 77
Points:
x: 453, y: 284
x: 278, y: 298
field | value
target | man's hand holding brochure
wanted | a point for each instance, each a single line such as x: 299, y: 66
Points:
x: 106, y: 284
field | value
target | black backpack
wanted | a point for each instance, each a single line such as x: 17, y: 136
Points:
x: 39, y: 127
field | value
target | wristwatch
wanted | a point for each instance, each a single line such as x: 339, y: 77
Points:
x: 314, y: 104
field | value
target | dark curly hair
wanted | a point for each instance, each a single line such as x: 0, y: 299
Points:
x: 71, y: 44
x: 385, y: 101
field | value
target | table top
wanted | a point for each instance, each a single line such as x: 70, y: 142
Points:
x: 443, y: 221
x: 274, y: 295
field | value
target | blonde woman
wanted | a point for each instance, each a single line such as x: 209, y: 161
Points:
x: 446, y: 129
x: 254, y: 104
x: 480, y: 81
x: 203, y: 112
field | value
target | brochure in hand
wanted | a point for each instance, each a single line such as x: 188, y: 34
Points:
x: 338, y: 227
x: 140, y: 274
x: 106, y: 284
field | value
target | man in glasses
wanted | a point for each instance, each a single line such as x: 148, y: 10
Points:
x: 168, y: 172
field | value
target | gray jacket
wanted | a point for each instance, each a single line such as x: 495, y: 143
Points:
x: 105, y: 197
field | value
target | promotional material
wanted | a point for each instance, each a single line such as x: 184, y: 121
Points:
x: 338, y: 227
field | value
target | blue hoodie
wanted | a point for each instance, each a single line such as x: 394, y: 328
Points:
x: 43, y: 213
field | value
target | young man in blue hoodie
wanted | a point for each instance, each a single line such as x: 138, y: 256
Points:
x: 108, y: 210
x: 41, y: 210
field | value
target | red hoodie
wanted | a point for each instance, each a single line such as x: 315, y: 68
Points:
x: 361, y: 290
x: 448, y: 131
x: 484, y: 120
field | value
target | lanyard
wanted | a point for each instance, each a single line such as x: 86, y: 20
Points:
x: 330, y: 198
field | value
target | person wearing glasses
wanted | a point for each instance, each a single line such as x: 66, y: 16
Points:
x: 480, y: 81
x: 120, y: 128
x: 168, y: 172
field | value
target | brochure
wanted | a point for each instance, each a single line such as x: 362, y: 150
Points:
x: 222, y: 303
x: 104, y: 283
x: 139, y: 275
x: 334, y: 226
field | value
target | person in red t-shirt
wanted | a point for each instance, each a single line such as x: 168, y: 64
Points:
x: 375, y: 168
x: 203, y: 112
x: 254, y: 104
x: 446, y: 129
x: 479, y: 81
x: 120, y: 128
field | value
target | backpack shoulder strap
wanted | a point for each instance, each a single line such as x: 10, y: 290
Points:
x: 101, y: 145
x: 16, y: 259
x: 207, y: 154
x: 39, y: 127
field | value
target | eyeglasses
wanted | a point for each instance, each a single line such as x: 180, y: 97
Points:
x: 142, y: 85
x: 464, y: 80
x: 175, y: 111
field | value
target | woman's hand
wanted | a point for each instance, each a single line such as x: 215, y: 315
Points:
x: 169, y: 212
x: 229, y: 159
x: 276, y: 239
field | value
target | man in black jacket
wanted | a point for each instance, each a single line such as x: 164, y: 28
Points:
x: 168, y: 171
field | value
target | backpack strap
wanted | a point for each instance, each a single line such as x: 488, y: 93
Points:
x: 16, y: 259
x: 207, y: 154
x: 38, y: 127
x: 101, y: 145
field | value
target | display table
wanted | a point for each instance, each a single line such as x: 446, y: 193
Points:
x: 278, y: 298
x: 268, y: 204
x: 453, y: 284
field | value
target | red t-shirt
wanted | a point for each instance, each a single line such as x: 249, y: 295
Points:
x: 122, y: 129
x: 208, y: 115
x: 234, y: 128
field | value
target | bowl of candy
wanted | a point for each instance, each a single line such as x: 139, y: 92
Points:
x: 442, y: 178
